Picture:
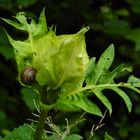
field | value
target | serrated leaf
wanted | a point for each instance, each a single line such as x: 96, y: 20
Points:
x: 134, y: 81
x: 104, y: 63
x: 41, y: 27
x: 103, y: 99
x: 24, y: 49
x: 34, y: 30
x: 82, y: 103
x: 21, y: 133
x: 124, y: 96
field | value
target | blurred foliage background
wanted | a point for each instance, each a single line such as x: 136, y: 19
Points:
x: 110, y: 21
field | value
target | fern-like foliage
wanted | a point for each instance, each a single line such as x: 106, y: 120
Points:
x: 98, y: 78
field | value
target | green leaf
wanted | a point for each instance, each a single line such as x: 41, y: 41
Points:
x: 135, y: 5
x: 25, y: 50
x: 137, y: 46
x: 120, y: 69
x: 134, y: 35
x: 81, y: 102
x: 103, y: 99
x: 5, y: 48
x: 28, y: 95
x: 39, y: 29
x: 21, y: 133
x: 34, y: 30
x: 107, y: 137
x: 88, y: 106
x: 109, y: 76
x: 122, y: 12
x: 6, y: 5
x: 124, y: 96
x: 137, y: 109
x: 89, y: 72
x: 3, y: 120
x: 134, y: 81
x: 7, y: 52
x: 46, y: 107
x: 74, y: 137
x: 104, y: 63
x: 67, y: 105
x: 112, y: 27
x: 23, y: 55
x: 26, y: 2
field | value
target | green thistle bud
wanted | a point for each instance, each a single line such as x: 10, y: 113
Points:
x: 58, y: 60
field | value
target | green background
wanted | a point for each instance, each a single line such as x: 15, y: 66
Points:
x: 110, y: 21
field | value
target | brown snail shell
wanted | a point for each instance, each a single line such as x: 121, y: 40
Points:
x: 28, y: 75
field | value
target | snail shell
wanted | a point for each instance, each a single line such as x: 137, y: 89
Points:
x: 28, y: 76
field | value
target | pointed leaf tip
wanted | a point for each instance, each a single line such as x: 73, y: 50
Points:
x: 111, y: 47
x: 83, y: 30
x: 124, y: 96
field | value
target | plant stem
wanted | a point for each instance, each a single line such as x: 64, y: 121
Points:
x: 42, y: 117
x: 40, y: 125
x: 126, y: 85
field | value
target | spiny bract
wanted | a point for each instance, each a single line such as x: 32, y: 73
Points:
x: 58, y: 60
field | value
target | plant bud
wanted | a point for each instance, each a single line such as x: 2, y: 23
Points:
x: 58, y: 60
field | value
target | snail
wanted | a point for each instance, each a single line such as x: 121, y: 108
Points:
x: 28, y: 75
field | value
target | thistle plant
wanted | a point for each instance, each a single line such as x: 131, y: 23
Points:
x: 59, y: 69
